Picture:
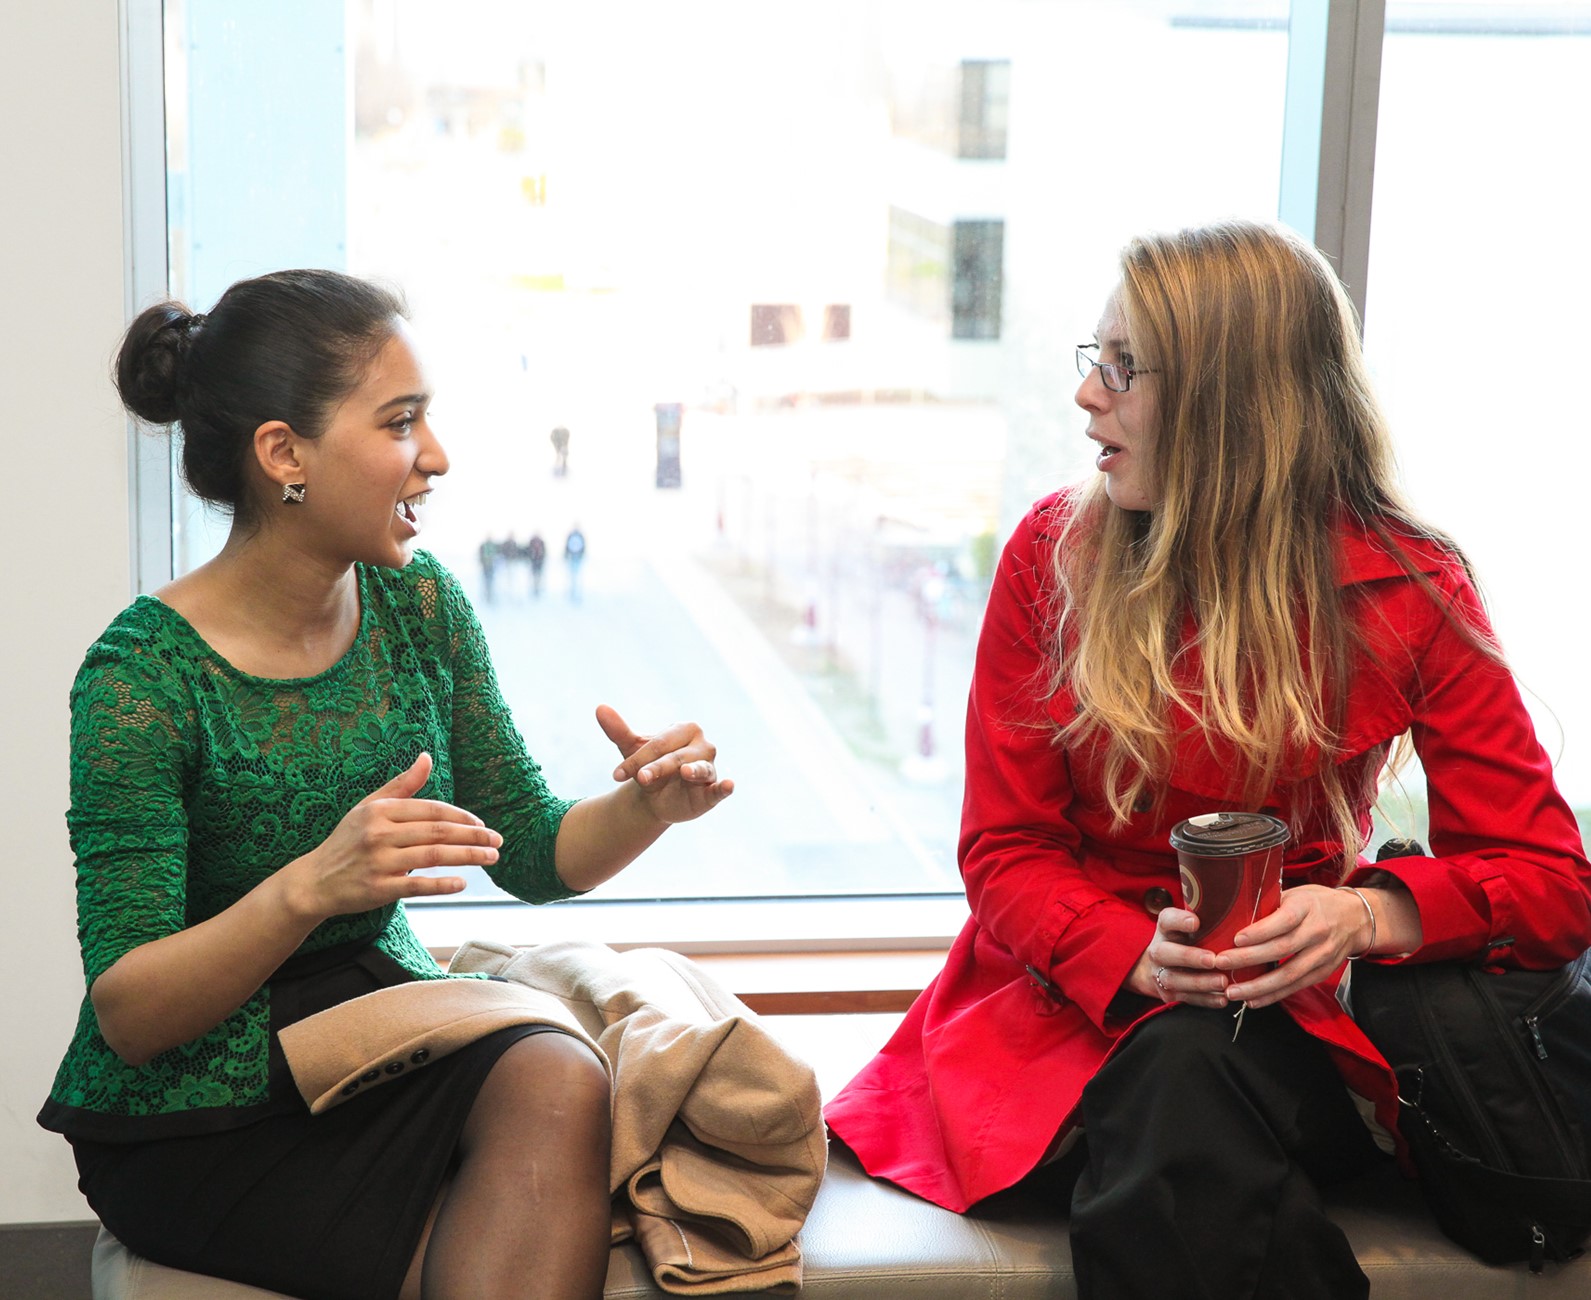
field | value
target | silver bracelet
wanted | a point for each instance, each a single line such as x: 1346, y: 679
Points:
x: 1371, y: 913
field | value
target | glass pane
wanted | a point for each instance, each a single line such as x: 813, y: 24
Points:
x: 801, y: 283
x: 1476, y: 252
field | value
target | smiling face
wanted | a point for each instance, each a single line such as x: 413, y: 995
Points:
x: 1120, y: 422
x: 368, y: 474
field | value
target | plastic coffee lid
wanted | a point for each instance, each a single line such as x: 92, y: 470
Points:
x: 1228, y: 834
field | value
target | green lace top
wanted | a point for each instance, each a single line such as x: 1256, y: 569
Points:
x: 191, y: 782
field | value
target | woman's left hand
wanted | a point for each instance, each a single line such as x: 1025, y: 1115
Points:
x: 1311, y: 934
x: 674, y: 770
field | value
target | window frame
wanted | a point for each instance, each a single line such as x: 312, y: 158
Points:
x: 147, y: 275
x: 1333, y: 86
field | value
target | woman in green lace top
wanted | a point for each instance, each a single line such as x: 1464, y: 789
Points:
x: 262, y: 754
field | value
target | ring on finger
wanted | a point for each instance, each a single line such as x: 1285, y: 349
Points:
x: 1160, y: 979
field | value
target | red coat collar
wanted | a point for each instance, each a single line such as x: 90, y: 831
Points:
x: 1362, y: 556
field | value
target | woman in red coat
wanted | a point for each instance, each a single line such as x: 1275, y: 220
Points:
x: 1238, y: 613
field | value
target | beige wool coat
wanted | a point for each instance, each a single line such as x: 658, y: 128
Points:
x: 718, y: 1136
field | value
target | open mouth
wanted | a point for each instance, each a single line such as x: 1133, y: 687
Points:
x: 408, y: 508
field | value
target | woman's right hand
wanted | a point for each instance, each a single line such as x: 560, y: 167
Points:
x: 367, y: 860
x: 1173, y: 970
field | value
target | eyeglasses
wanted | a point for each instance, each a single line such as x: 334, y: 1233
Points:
x: 1117, y: 378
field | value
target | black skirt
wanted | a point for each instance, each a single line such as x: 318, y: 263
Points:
x: 321, y: 1207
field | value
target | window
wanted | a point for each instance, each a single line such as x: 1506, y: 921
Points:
x: 1476, y: 251
x: 979, y: 269
x: 949, y: 275
x: 602, y: 232
x: 985, y: 107
x: 918, y: 268
x: 773, y: 326
x: 787, y: 323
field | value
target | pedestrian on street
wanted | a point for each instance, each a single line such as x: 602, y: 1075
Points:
x: 1239, y: 614
x: 491, y: 555
x: 574, y: 555
x: 536, y: 557
x: 560, y: 451
x: 268, y: 756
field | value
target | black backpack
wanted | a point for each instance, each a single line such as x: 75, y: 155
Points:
x: 1494, y: 1084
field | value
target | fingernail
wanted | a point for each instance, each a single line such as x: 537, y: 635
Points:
x: 618, y: 774
x: 491, y: 855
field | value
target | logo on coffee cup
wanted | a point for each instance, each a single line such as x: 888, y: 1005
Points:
x: 1190, y: 889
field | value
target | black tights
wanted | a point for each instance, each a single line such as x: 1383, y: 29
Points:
x: 527, y: 1212
x: 1202, y: 1156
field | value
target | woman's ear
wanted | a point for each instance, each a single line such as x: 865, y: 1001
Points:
x: 277, y: 449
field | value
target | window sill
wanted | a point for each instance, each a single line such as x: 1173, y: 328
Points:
x: 809, y: 956
x: 729, y: 925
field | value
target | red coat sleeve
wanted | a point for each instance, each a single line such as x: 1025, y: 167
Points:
x: 1507, y: 861
x: 1021, y: 856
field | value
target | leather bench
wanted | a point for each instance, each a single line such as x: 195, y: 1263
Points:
x: 867, y: 1240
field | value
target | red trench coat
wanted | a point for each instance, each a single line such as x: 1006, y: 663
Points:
x: 986, y: 1069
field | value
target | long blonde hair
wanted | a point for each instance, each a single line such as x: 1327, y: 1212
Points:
x: 1264, y: 432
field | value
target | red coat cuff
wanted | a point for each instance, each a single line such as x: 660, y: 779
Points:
x: 1096, y: 952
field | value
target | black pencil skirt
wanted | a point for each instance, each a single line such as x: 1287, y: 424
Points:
x: 321, y: 1207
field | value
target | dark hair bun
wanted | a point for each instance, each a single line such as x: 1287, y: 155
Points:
x: 149, y: 365
x: 288, y: 346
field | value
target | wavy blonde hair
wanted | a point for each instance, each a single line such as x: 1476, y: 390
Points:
x: 1263, y: 433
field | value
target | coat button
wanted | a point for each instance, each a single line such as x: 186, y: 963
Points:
x: 395, y: 1067
x: 1156, y: 899
x: 369, y: 1076
x: 350, y: 1088
x: 1143, y: 803
x: 421, y: 1056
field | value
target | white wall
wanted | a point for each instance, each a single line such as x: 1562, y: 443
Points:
x: 63, y: 527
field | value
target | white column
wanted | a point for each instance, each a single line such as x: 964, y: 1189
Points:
x: 63, y: 531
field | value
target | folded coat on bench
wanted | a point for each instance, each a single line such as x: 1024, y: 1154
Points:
x: 718, y: 1138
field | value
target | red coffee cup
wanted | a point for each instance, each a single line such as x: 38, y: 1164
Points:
x: 1230, y: 866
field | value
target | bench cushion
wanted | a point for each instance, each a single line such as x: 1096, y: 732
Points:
x: 867, y: 1240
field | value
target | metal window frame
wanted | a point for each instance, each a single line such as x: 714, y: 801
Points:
x: 1329, y: 130
x: 146, y: 272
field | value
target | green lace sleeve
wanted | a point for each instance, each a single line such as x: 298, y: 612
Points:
x: 131, y: 739
x: 493, y: 773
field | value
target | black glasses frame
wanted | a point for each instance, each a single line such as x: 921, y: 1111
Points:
x: 1115, y: 376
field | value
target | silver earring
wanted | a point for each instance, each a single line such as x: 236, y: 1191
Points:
x: 293, y: 493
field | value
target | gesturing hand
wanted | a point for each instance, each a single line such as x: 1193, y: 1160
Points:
x: 673, y: 769
x: 365, y: 862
